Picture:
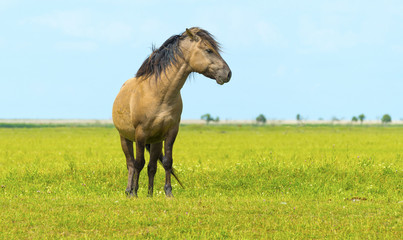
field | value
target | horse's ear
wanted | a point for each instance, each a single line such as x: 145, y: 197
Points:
x: 191, y: 35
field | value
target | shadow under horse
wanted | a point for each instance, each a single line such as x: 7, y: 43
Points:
x: 148, y: 107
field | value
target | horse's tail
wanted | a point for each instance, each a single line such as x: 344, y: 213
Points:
x: 173, y: 172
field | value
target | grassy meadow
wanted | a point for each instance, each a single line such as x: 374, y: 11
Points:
x: 241, y: 182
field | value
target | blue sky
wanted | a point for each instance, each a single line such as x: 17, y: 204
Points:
x: 321, y: 59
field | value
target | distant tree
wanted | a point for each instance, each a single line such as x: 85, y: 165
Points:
x: 354, y: 119
x: 361, y: 117
x: 299, y: 118
x: 261, y: 119
x: 386, y: 119
x: 207, y: 117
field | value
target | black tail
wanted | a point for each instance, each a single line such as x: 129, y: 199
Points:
x: 173, y: 169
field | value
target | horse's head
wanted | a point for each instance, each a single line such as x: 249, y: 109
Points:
x: 203, y: 55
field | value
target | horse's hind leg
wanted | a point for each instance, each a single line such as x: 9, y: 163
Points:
x: 127, y: 147
x: 155, y: 154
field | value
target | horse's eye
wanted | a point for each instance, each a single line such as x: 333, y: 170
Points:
x: 208, y: 50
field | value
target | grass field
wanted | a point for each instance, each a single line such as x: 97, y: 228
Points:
x: 241, y: 182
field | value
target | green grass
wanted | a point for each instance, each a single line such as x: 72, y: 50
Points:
x: 241, y: 182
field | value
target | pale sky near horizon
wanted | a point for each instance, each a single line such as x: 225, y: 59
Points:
x: 321, y: 59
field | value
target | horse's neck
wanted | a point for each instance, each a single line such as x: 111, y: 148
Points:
x: 174, y: 79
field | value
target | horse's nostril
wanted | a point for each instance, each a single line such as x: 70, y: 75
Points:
x: 229, y: 75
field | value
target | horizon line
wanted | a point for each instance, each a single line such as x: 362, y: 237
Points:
x: 192, y: 121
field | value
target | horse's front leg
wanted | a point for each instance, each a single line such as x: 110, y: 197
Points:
x: 167, y: 160
x: 127, y: 147
x: 138, y: 164
x: 155, y: 154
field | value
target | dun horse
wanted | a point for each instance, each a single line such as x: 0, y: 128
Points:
x: 148, y: 108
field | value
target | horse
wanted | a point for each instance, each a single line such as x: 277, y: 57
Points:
x: 148, y: 107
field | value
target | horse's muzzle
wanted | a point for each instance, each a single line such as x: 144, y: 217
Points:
x: 229, y: 75
x: 224, y: 79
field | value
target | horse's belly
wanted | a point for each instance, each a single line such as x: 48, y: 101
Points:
x: 161, y: 125
x: 154, y: 128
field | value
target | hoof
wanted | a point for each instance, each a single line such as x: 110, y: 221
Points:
x: 168, y: 191
x: 130, y: 194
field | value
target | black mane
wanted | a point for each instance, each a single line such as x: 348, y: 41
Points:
x: 161, y: 58
x: 169, y: 53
